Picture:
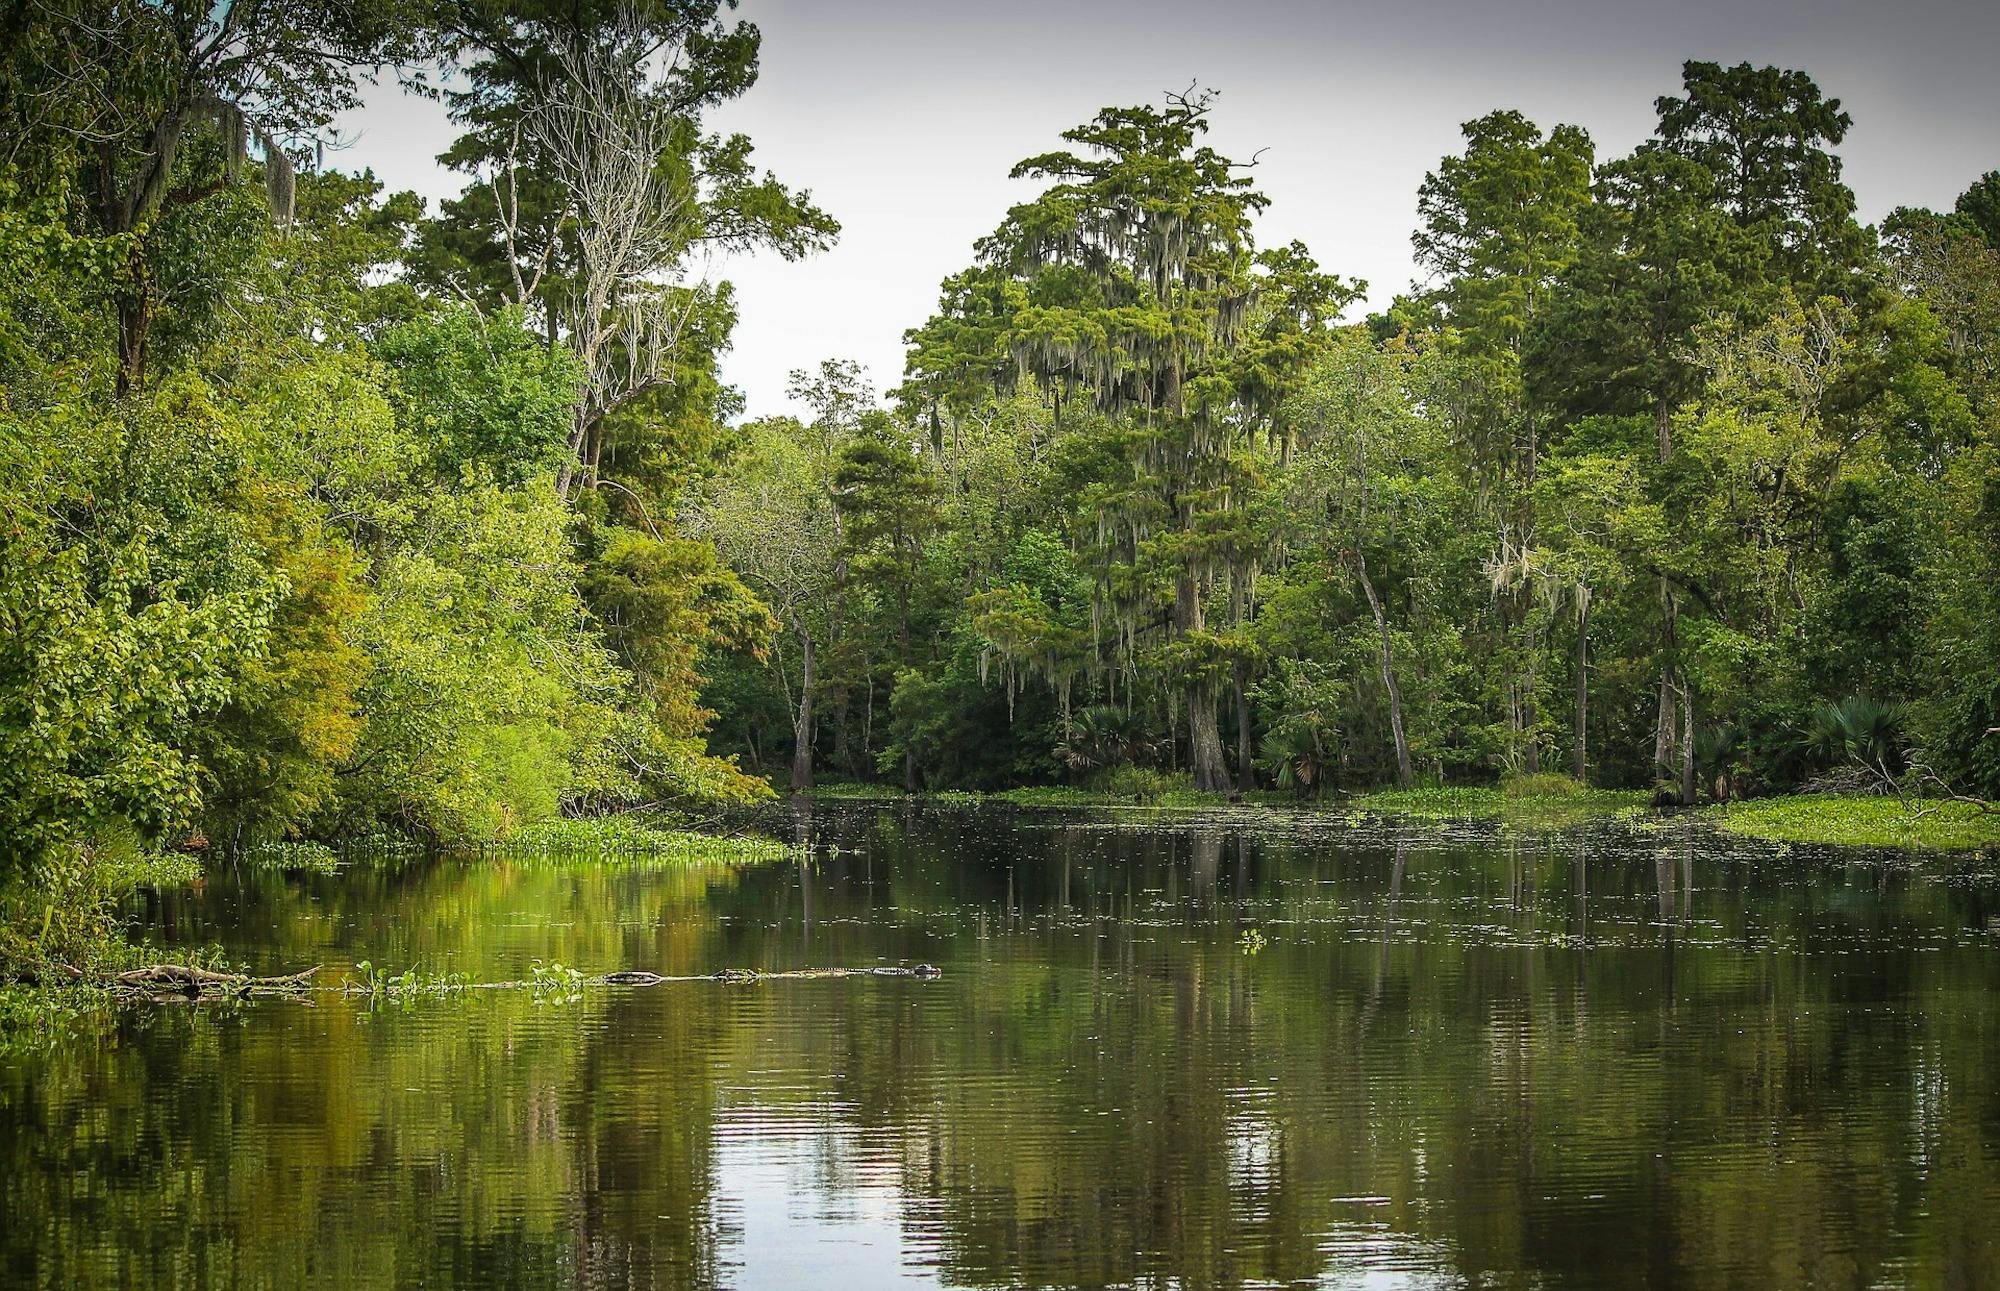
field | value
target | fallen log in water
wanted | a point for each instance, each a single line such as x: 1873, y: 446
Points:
x: 189, y: 980
x: 167, y: 981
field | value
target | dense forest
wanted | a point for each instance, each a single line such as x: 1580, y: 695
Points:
x: 326, y: 512
x: 1671, y: 474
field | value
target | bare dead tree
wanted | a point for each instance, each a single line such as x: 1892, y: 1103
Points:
x: 607, y: 132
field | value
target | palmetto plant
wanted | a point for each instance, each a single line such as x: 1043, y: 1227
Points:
x: 1296, y: 756
x: 1716, y: 750
x: 1102, y: 736
x: 1862, y: 730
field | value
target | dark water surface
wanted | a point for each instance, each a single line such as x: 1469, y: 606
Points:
x: 1239, y: 1049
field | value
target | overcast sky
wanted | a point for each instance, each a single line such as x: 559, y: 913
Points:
x: 903, y: 117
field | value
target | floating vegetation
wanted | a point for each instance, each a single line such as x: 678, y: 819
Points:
x: 1855, y: 820
x: 291, y: 858
x: 842, y: 790
x: 1533, y: 800
x: 555, y: 983
x: 1127, y: 787
x: 1176, y: 798
x: 370, y: 980
x: 627, y: 838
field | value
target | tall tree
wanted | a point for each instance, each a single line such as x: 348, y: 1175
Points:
x: 775, y: 520
x: 1369, y: 478
x: 1766, y: 135
x: 1499, y: 225
x: 1135, y: 262
x: 889, y: 497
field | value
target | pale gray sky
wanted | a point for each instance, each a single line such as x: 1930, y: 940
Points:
x: 904, y: 116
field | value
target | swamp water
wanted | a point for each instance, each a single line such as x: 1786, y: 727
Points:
x: 1229, y: 1049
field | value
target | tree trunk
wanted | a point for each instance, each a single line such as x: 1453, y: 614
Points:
x: 1246, y: 764
x: 1403, y: 773
x: 1583, y: 685
x: 593, y: 449
x: 567, y: 473
x: 135, y: 323
x: 1531, y: 716
x: 843, y: 742
x: 1687, y: 742
x: 1205, y: 760
x: 802, y: 721
x: 1663, y: 734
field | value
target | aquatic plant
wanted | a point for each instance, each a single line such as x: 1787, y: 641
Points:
x: 302, y: 857
x: 411, y: 981
x: 554, y: 982
x: 1860, y: 820
x: 628, y: 837
x: 1543, y: 799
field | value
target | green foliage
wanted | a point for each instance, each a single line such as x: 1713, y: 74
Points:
x: 1103, y: 738
x: 555, y: 983
x: 1652, y: 468
x: 1859, y: 730
x: 134, y: 600
x: 1302, y: 701
x: 59, y: 914
x: 630, y: 837
x: 1147, y: 785
x: 481, y: 394
x: 373, y: 981
x: 304, y: 857
x: 375, y: 519
x: 1859, y: 821
x: 663, y: 601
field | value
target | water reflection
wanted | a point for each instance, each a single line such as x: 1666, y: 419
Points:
x: 1594, y: 1059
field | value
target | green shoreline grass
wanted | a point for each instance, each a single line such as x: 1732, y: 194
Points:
x: 1547, y: 797
x: 1048, y: 795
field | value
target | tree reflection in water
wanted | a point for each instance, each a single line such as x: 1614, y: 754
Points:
x: 1605, y: 1058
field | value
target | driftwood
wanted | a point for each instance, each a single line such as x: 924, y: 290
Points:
x: 189, y: 980
x: 167, y: 982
